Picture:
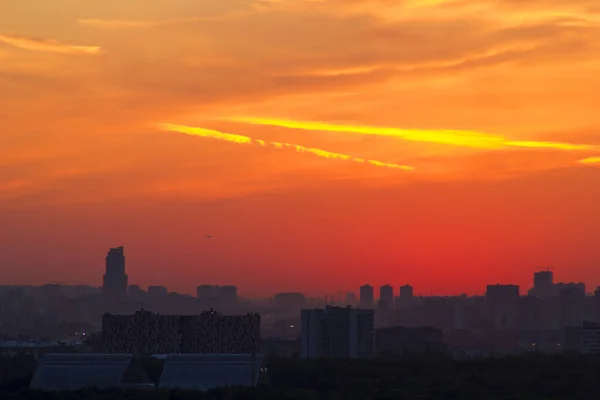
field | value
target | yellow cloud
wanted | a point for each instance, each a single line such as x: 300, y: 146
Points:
x: 590, y: 160
x: 46, y: 45
x: 463, y: 138
x: 441, y: 136
x: 550, y: 145
x: 239, y: 139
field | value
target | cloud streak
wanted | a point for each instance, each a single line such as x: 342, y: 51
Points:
x: 590, y: 161
x: 46, y: 45
x: 239, y: 139
x: 101, y: 23
x: 133, y: 24
x: 442, y: 136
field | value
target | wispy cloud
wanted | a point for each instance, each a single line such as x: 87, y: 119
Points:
x: 239, y: 139
x: 590, y: 160
x: 46, y: 45
x: 123, y: 24
x: 101, y: 23
x: 440, y: 136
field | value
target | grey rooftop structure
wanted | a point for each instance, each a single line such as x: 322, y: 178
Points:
x: 78, y: 371
x: 208, y: 371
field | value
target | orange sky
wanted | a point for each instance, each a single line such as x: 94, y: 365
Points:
x: 324, y: 143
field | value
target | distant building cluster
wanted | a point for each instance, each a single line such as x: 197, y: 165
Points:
x: 216, y: 295
x: 115, y: 286
x: 289, y: 300
x: 207, y: 333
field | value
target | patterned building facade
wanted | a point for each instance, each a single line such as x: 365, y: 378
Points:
x: 207, y: 333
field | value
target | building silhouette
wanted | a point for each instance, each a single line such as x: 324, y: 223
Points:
x: 337, y: 332
x: 543, y: 278
x: 63, y: 372
x: 217, y: 295
x: 571, y: 307
x: 501, y: 304
x: 406, y: 296
x: 157, y: 291
x: 590, y: 338
x: 289, y: 301
x: 351, y: 299
x: 386, y: 297
x: 228, y: 294
x: 545, y: 287
x: 207, y: 333
x: 114, y: 283
x: 366, y: 296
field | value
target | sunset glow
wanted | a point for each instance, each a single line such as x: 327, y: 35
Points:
x: 445, y: 144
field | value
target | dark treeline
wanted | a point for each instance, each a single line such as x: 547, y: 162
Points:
x: 518, y: 378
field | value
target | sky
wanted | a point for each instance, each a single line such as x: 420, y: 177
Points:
x: 324, y: 144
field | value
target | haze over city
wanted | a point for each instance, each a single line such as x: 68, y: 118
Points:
x: 323, y: 144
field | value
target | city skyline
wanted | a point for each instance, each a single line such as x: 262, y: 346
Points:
x: 115, y: 285
x: 448, y: 145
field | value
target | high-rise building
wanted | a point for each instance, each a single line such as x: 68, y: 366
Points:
x: 501, y: 303
x: 406, y: 292
x: 386, y: 297
x: 207, y: 333
x: 571, y: 307
x: 406, y: 296
x: 337, y: 332
x: 366, y: 296
x: 114, y: 284
x: 543, y: 278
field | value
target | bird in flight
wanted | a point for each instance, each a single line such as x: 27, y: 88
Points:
x: 209, y: 236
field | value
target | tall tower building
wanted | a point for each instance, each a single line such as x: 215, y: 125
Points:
x: 115, y: 279
x: 366, y: 296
